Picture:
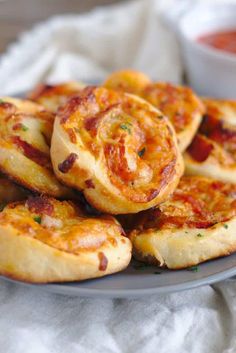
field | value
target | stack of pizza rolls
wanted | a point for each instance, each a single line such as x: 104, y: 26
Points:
x: 93, y: 174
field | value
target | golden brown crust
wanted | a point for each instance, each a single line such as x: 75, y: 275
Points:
x: 178, y: 103
x: 108, y: 143
x: 53, y: 96
x: 130, y: 81
x: 45, y: 240
x: 213, y: 150
x: 25, y: 134
x: 196, y: 224
x: 221, y: 109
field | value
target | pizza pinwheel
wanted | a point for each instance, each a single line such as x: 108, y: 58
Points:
x: 45, y: 240
x: 25, y: 136
x: 130, y: 81
x: 213, y: 150
x: 196, y: 224
x: 52, y: 96
x: 178, y: 103
x: 117, y: 148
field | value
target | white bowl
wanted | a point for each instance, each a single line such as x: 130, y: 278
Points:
x: 210, y: 71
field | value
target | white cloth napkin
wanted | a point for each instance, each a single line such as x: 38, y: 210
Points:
x: 87, y: 47
x: 195, y: 321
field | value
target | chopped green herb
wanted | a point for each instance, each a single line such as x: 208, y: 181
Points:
x: 186, y: 232
x: 141, y: 152
x: 1, y: 101
x: 24, y: 128
x: 2, y: 206
x: 38, y: 219
x: 199, y: 235
x: 126, y: 127
x: 193, y: 269
x: 225, y: 226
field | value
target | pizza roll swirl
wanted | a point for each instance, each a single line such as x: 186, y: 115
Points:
x: 196, y: 224
x: 25, y: 136
x: 117, y: 148
x: 178, y: 103
x: 53, y: 96
x: 46, y: 240
x: 213, y: 150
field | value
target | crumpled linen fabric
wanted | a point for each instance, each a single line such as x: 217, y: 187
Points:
x: 87, y: 47
x: 199, y: 320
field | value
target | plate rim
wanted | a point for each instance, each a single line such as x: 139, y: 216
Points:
x: 64, y: 289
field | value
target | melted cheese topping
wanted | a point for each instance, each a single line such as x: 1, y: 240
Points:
x: 218, y: 130
x: 129, y: 81
x: 27, y: 130
x: 221, y: 109
x: 178, y: 103
x: 25, y: 139
x: 53, y: 96
x: 127, y: 137
x: 198, y: 202
x: 61, y: 225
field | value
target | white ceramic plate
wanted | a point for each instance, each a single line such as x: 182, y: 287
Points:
x: 140, y: 280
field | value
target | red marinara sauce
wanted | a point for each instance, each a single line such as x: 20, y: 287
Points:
x: 222, y: 40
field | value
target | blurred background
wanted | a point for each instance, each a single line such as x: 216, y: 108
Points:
x: 158, y: 37
x: 19, y: 15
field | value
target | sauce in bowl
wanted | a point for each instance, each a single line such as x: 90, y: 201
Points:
x: 222, y: 40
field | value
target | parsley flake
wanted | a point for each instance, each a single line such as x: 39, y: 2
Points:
x: 225, y: 226
x: 24, y: 128
x: 126, y: 127
x: 199, y: 235
x: 141, y: 152
x: 1, y: 101
x: 38, y: 219
x: 193, y: 269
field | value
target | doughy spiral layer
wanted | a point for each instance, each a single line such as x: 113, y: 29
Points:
x: 178, y: 103
x: 129, y: 81
x: 46, y: 240
x: 196, y: 224
x: 117, y: 148
x: 25, y: 134
x: 213, y: 150
x: 53, y: 96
